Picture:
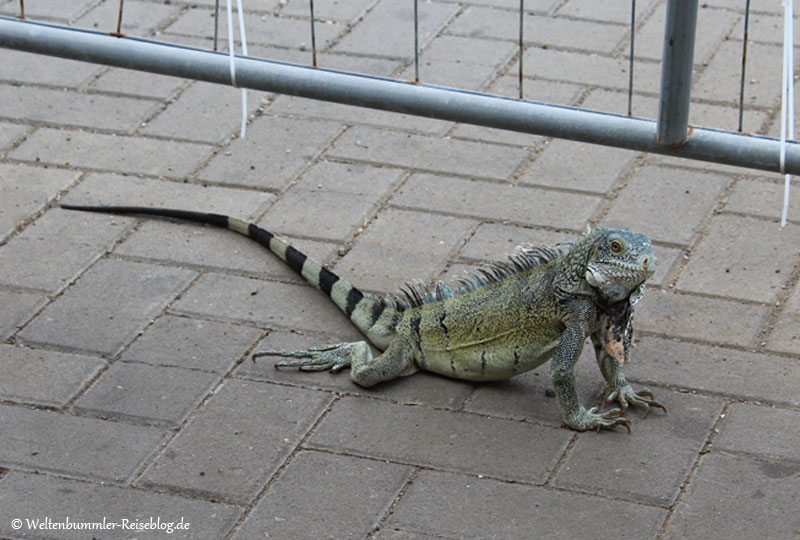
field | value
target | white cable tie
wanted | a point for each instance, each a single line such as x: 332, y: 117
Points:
x: 243, y: 130
x: 787, y: 102
x: 231, y: 53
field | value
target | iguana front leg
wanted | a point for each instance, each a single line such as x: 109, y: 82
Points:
x: 396, y: 361
x: 562, y: 375
x: 618, y: 387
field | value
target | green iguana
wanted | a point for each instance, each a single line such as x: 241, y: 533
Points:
x: 505, y: 319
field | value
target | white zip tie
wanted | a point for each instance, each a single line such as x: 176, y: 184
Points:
x: 787, y: 101
x: 232, y: 57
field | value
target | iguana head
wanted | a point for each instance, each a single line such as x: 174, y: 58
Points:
x: 619, y: 262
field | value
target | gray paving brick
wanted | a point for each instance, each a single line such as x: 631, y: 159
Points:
x: 430, y: 506
x: 192, y: 344
x: 482, y: 22
x: 706, y: 368
x: 31, y: 68
x: 132, y: 191
x: 238, y: 299
x: 9, y: 133
x: 222, y: 451
x: 309, y: 499
x: 137, y: 83
x: 421, y: 388
x: 60, y: 499
x: 250, y: 162
x: 756, y: 273
x: 44, y: 377
x: 340, y: 11
x: 122, y: 154
x: 762, y: 198
x: 497, y: 201
x: 500, y: 448
x: 587, y: 167
x: 18, y: 307
x: 617, y: 11
x: 720, y: 82
x: 204, y: 112
x: 150, y: 394
x: 650, y: 466
x: 786, y: 334
x: 658, y: 196
x: 400, y: 246
x: 140, y: 18
x: 760, y: 430
x: 493, y: 241
x: 54, y: 249
x: 717, y: 321
x: 44, y: 9
x: 63, y: 107
x: 119, y: 297
x: 86, y: 447
x: 26, y: 190
x: 428, y: 153
x: 388, y: 29
x: 331, y: 201
x: 760, y: 503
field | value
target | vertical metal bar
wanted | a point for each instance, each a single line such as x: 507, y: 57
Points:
x: 630, y: 67
x: 416, y: 41
x: 119, y: 19
x: 521, y: 47
x: 313, y: 36
x: 676, y: 72
x: 21, y: 9
x: 744, y: 63
x: 216, y: 23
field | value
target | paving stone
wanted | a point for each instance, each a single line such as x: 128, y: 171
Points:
x: 617, y: 11
x: 482, y: 22
x: 18, y: 307
x: 331, y: 201
x: 215, y: 249
x: 714, y: 320
x: 385, y: 257
x: 138, y: 83
x: 461, y: 62
x: 530, y: 396
x: 222, y: 453
x: 721, y: 83
x: 112, y: 189
x: 497, y: 201
x: 330, y: 9
x: 428, y: 153
x: 388, y: 29
x: 204, y: 112
x: 140, y: 18
x: 500, y: 448
x: 44, y: 9
x: 112, y: 152
x: 429, y: 506
x: 119, y: 297
x: 56, y: 248
x: 268, y: 303
x: 651, y: 465
x: 87, y: 447
x: 786, y: 334
x: 493, y: 241
x: 9, y: 133
x: 706, y: 368
x: 26, y: 190
x: 658, y: 195
x: 150, y: 394
x: 756, y: 273
x: 762, y: 431
x: 44, y: 377
x: 44, y: 497
x: 249, y: 162
x: 420, y: 388
x: 24, y: 67
x: 583, y: 167
x: 192, y: 344
x: 310, y: 500
x: 760, y: 503
x: 762, y: 198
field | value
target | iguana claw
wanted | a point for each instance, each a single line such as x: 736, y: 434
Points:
x: 332, y: 357
x: 628, y: 396
x: 591, y: 419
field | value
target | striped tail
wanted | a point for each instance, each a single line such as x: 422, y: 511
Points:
x: 370, y: 315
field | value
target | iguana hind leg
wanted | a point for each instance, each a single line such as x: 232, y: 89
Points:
x: 396, y: 361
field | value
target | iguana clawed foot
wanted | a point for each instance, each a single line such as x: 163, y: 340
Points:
x: 585, y: 420
x: 627, y: 396
x: 333, y: 357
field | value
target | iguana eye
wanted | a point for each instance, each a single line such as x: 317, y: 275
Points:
x: 616, y: 246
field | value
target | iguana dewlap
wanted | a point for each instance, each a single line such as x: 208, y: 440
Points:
x: 507, y: 318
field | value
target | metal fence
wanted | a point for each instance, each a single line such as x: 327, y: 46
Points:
x: 668, y: 134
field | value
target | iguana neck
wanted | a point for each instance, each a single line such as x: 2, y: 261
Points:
x: 570, y: 277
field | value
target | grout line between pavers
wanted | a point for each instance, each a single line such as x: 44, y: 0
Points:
x: 396, y: 500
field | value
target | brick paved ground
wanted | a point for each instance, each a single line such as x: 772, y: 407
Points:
x: 124, y: 394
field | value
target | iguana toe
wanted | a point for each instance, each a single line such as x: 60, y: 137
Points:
x: 332, y: 357
x: 643, y: 399
x: 591, y: 419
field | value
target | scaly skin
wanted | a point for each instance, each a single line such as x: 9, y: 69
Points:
x: 540, y: 305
